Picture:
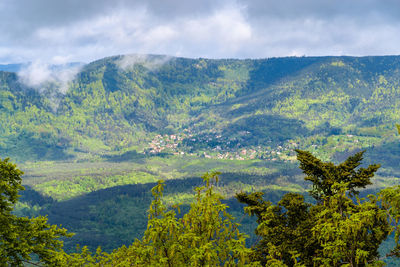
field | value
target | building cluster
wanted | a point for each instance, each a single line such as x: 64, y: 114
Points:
x: 182, y: 144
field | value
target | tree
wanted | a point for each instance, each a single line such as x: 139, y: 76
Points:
x: 390, y: 201
x: 349, y: 233
x: 205, y: 236
x: 336, y: 230
x: 324, y: 175
x: 285, y: 229
x: 21, y: 237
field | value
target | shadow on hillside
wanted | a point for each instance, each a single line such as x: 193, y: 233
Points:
x: 115, y: 216
x: 33, y: 197
x: 269, y: 71
x: 259, y: 129
x: 26, y: 146
x: 130, y: 156
x: 387, y: 155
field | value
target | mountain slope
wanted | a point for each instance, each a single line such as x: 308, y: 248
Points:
x: 127, y: 121
x: 121, y: 103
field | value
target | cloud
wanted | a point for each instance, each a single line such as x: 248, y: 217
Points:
x: 151, y: 62
x: 84, y: 30
x: 38, y: 74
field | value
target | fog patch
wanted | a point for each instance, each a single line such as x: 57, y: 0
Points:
x: 51, y: 81
x: 151, y: 62
x: 40, y: 76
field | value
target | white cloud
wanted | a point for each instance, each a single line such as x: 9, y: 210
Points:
x: 148, y: 61
x: 85, y: 30
x: 37, y: 74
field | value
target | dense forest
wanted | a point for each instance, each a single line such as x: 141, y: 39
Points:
x: 92, y: 152
x: 338, y: 228
x: 121, y: 104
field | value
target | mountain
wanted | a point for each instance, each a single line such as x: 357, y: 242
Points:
x: 91, y: 148
x: 120, y: 103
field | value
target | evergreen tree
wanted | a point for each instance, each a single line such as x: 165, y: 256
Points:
x: 337, y: 230
x: 324, y: 175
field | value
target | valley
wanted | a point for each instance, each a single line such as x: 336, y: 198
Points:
x: 92, y: 153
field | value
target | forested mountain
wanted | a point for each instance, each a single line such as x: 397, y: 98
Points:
x: 92, y: 151
x: 121, y: 103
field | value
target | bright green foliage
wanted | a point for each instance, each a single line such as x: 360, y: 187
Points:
x: 85, y: 258
x: 324, y: 175
x: 336, y: 230
x: 206, y: 236
x: 111, y: 106
x: 20, y: 237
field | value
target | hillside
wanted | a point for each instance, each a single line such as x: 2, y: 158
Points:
x: 127, y: 121
x: 122, y: 103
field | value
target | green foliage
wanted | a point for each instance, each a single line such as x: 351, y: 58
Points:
x: 349, y: 233
x: 334, y: 231
x: 331, y: 106
x: 390, y: 198
x: 324, y: 175
x: 259, y: 129
x: 205, y: 236
x: 111, y: 106
x: 285, y: 228
x: 21, y: 237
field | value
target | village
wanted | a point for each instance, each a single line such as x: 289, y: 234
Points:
x: 214, y: 146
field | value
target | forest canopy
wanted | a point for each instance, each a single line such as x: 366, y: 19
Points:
x: 337, y: 228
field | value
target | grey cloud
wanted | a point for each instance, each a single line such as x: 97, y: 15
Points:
x: 323, y: 9
x: 84, y: 30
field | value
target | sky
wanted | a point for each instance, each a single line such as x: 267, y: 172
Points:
x: 60, y: 31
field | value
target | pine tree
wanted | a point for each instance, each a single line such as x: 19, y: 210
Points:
x: 324, y: 175
x: 339, y: 229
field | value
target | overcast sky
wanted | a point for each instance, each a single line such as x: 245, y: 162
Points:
x: 59, y: 31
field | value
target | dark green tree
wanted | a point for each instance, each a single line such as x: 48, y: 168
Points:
x: 339, y: 229
x: 22, y: 237
x: 285, y: 228
x: 324, y: 175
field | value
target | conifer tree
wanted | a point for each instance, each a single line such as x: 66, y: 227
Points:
x: 339, y: 229
x: 324, y: 175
